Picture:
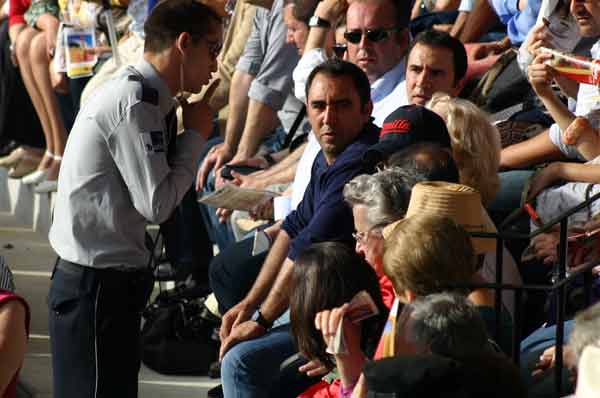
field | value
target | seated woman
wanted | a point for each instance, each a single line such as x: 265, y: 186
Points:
x: 424, y: 254
x: 34, y: 41
x: 14, y: 327
x: 475, y: 143
x: 327, y: 275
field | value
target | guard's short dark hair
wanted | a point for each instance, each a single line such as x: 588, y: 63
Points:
x: 439, y: 39
x: 429, y: 160
x: 337, y: 68
x: 170, y: 18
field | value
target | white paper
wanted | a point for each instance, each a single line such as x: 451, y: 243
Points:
x: 230, y: 196
x: 261, y: 244
x: 282, y: 206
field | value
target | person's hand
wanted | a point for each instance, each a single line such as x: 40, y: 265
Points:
x: 98, y: 50
x: 314, y: 368
x: 257, y: 161
x: 484, y: 50
x: 541, y: 75
x: 250, y: 181
x: 262, y: 211
x: 59, y: 81
x: 198, y: 115
x: 215, y: 159
x: 539, y: 37
x: 223, y: 214
x: 332, y: 10
x: 244, y: 331
x: 548, y: 359
x: 543, y: 179
x: 50, y: 36
x: 327, y: 322
x: 544, y: 246
x: 236, y: 315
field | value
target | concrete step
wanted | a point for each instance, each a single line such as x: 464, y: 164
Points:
x: 31, y: 259
x: 28, y: 209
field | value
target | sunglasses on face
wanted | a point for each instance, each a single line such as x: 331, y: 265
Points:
x: 373, y: 35
x: 339, y: 49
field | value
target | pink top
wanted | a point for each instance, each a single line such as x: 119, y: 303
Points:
x: 6, y: 296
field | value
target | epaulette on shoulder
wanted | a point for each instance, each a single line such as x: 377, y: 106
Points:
x: 149, y: 94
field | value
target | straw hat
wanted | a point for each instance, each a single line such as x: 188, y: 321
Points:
x: 588, y: 373
x: 459, y: 202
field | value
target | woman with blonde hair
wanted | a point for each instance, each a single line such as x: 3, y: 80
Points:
x: 475, y: 143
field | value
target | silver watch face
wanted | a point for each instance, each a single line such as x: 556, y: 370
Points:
x: 315, y: 21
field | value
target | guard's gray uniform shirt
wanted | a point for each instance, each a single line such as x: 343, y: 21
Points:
x: 114, y: 176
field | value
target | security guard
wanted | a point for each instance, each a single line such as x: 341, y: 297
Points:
x: 120, y: 171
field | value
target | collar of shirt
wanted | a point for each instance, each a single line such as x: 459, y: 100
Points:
x: 165, y: 100
x: 595, y: 50
x: 388, y: 82
x: 369, y: 136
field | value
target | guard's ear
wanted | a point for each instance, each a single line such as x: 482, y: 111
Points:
x: 183, y: 42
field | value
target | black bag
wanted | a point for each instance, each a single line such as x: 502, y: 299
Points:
x: 175, y: 338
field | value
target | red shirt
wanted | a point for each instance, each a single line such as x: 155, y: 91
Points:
x: 17, y: 11
x: 6, y: 296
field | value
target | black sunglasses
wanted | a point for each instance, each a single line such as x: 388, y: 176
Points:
x: 373, y: 35
x: 339, y: 49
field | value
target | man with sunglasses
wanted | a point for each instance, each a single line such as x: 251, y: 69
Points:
x: 376, y: 41
x: 123, y: 167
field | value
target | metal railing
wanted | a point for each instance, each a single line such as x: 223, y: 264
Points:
x: 557, y: 288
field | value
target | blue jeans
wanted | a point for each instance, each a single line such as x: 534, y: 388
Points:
x: 251, y: 368
x: 543, y: 338
x: 511, y: 187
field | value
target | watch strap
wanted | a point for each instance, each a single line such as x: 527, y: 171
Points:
x: 318, y: 22
x: 262, y: 321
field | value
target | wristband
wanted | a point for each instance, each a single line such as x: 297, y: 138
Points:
x: 346, y: 391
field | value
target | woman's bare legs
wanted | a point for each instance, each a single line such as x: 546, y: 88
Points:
x: 41, y: 73
x: 23, y: 48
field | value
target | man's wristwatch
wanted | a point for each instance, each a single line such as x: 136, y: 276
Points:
x: 261, y: 320
x: 318, y: 22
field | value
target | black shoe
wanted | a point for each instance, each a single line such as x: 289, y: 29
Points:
x: 7, y: 147
x: 215, y: 392
x: 214, y: 370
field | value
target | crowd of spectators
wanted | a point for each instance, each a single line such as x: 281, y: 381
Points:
x: 366, y: 118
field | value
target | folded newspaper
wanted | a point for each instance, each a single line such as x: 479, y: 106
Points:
x: 360, y: 308
x: 231, y: 196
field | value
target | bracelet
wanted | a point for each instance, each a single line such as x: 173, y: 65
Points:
x: 269, y: 159
x: 346, y: 391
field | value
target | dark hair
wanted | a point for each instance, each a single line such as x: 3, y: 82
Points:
x: 446, y: 324
x: 327, y: 275
x: 338, y: 68
x: 429, y: 160
x: 170, y: 18
x: 304, y: 9
x: 439, y: 39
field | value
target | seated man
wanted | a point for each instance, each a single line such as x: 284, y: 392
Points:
x: 339, y: 109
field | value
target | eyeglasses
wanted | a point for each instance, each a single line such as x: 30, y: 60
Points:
x: 339, y: 49
x: 373, y: 35
x: 360, y: 237
x: 363, y: 237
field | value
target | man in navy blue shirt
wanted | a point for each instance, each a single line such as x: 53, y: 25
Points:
x: 339, y: 110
